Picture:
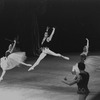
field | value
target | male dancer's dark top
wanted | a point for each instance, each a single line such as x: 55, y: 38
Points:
x: 83, y: 83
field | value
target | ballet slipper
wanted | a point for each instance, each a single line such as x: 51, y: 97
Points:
x: 30, y: 68
x: 1, y: 79
x: 67, y: 58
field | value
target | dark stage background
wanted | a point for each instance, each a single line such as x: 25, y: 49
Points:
x: 74, y: 21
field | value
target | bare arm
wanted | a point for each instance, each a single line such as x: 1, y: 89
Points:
x: 13, y: 46
x: 87, y: 46
x: 43, y: 40
x: 50, y: 37
x: 74, y: 81
x: 70, y: 83
x: 45, y: 36
x: 47, y: 29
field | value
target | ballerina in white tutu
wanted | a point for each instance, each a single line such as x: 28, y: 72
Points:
x: 83, y: 56
x: 12, y: 59
x: 45, y: 50
x: 92, y: 62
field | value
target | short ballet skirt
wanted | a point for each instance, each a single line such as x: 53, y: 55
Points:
x: 13, y: 60
x: 92, y: 63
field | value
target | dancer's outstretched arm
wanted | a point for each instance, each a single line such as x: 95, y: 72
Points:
x: 2, y: 75
x: 42, y: 55
x: 13, y: 46
x: 69, y: 83
x: 87, y: 46
x: 47, y: 29
x: 50, y: 37
x: 43, y: 40
x: 45, y: 36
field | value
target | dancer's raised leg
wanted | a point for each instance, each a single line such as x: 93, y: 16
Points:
x: 42, y: 55
x: 48, y: 51
x: 25, y: 64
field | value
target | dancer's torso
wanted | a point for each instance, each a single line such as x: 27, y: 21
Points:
x: 47, y: 44
x: 82, y: 84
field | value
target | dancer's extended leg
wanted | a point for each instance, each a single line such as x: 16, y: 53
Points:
x: 25, y: 64
x: 42, y: 55
x: 3, y: 73
x: 48, y: 51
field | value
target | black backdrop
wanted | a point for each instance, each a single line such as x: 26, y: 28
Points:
x: 74, y: 21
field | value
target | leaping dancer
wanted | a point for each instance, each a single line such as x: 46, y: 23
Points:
x: 45, y: 50
x: 12, y: 59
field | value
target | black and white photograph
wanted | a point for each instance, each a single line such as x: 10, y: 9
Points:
x: 49, y: 49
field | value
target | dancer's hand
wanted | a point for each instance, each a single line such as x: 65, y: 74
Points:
x: 87, y: 39
x: 47, y: 29
x: 53, y: 28
x: 14, y: 41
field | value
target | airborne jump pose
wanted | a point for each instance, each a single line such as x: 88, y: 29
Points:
x: 12, y: 59
x: 45, y: 50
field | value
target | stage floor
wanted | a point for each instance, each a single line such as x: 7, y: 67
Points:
x: 44, y: 82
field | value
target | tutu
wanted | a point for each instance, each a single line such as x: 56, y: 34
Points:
x: 3, y: 63
x: 13, y: 60
x: 92, y: 63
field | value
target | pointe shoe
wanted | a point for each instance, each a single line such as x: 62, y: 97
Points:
x: 1, y: 79
x: 30, y: 69
x: 67, y: 58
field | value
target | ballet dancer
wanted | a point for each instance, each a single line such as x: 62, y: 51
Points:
x: 12, y: 59
x: 92, y: 62
x: 45, y: 50
x: 81, y: 80
x: 47, y: 38
x: 83, y: 56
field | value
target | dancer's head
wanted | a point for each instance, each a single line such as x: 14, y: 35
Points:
x: 46, y: 34
x: 81, y: 66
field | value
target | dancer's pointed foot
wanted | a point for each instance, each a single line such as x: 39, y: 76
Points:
x: 67, y: 58
x: 32, y: 68
x: 1, y: 79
